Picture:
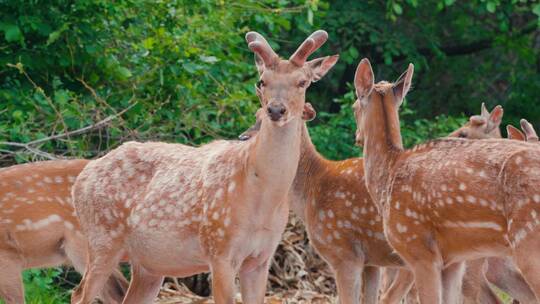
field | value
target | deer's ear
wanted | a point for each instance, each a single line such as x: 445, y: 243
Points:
x: 495, y: 118
x: 309, y: 112
x: 403, y: 84
x: 514, y: 133
x: 483, y: 110
x: 251, y: 131
x: 321, y: 66
x: 259, y: 63
x: 364, y: 79
x: 528, y: 129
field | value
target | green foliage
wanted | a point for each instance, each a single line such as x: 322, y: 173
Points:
x: 41, y: 287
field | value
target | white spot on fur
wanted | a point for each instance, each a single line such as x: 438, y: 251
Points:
x: 330, y: 214
x: 473, y: 225
x: 232, y: 186
x: 27, y: 224
x: 401, y: 228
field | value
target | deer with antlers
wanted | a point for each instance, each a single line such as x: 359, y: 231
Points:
x: 179, y: 210
x: 449, y: 200
x: 39, y: 228
x: 342, y: 221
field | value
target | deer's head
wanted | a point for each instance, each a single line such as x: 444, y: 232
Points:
x: 485, y: 125
x: 282, y: 83
x: 308, y: 114
x: 369, y: 93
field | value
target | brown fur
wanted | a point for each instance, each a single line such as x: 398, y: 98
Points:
x: 38, y: 226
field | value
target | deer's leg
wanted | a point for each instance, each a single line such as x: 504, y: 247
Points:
x: 114, y: 290
x: 452, y: 278
x: 223, y: 275
x: 144, y: 286
x: 253, y: 284
x: 388, y: 275
x: 101, y: 264
x: 421, y: 254
x: 476, y: 287
x: 348, y: 281
x: 400, y: 286
x: 11, y: 286
x: 528, y: 262
x: 503, y: 274
x: 371, y: 285
x: 412, y: 296
x: 428, y: 281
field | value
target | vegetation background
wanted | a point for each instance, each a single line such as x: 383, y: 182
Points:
x: 184, y: 73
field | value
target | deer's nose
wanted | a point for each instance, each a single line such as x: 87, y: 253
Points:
x: 276, y: 111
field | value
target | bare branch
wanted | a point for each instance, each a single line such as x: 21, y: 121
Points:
x: 30, y: 146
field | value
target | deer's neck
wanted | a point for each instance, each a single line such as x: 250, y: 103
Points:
x: 310, y: 167
x: 274, y: 160
x: 382, y: 145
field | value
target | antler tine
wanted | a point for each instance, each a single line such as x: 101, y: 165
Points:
x: 528, y: 129
x: 310, y: 45
x: 261, y: 47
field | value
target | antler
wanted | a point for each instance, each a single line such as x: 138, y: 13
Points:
x: 261, y: 47
x: 310, y: 45
x: 529, y: 131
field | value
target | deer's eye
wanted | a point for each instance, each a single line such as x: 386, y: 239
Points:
x: 302, y: 83
x: 260, y: 84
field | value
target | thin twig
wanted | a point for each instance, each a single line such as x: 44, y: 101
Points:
x: 29, y: 145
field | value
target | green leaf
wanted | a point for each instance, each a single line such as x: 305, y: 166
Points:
x: 536, y: 10
x: 310, y: 17
x: 491, y: 6
x: 397, y: 8
x: 12, y: 33
x: 61, y: 97
x: 353, y: 52
x: 449, y: 2
x: 209, y: 59
x: 18, y: 115
x: 124, y: 72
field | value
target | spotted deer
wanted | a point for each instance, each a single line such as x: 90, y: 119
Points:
x: 449, y: 200
x: 39, y: 228
x: 500, y: 272
x: 179, y: 210
x: 342, y: 221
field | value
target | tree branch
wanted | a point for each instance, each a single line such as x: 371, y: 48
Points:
x: 30, y: 146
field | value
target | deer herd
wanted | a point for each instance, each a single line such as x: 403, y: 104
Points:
x: 442, y: 222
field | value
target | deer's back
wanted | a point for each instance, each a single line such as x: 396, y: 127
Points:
x: 157, y: 186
